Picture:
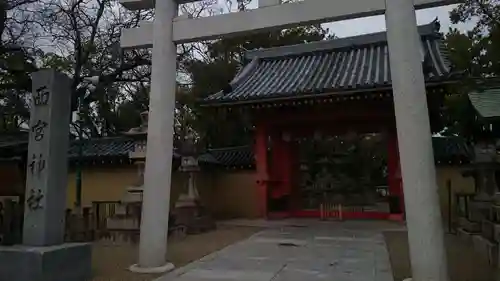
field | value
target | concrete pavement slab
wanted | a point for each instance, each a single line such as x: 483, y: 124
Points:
x: 319, y: 251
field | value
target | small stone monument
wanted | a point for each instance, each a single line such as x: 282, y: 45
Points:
x: 43, y: 256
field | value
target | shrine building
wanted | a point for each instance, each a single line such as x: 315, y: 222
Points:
x: 292, y: 94
x: 325, y: 88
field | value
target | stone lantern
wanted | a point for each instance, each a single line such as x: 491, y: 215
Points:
x: 128, y: 213
x: 485, y: 165
x: 477, y: 212
x: 189, y: 210
x: 138, y: 156
x: 189, y: 165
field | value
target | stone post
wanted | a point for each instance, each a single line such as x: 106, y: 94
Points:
x: 158, y: 170
x: 425, y: 232
x: 43, y: 256
x: 47, y: 169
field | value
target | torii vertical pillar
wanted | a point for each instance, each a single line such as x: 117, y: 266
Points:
x: 425, y: 230
x: 158, y: 170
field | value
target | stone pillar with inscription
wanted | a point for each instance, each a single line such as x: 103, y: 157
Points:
x: 43, y: 254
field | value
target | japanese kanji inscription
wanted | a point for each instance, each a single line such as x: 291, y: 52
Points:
x: 46, y: 167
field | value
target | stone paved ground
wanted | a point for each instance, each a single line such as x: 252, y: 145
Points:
x: 340, y: 251
x: 110, y: 261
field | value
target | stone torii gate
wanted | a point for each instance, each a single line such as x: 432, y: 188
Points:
x: 425, y: 232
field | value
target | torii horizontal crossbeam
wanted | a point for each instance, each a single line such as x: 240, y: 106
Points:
x: 147, y: 4
x: 267, y: 18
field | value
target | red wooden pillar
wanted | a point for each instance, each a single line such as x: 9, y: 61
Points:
x: 294, y: 169
x: 286, y: 171
x: 287, y: 166
x: 394, y: 170
x: 277, y: 168
x: 279, y: 176
x: 261, y: 165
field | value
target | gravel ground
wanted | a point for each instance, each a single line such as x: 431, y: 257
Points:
x: 464, y: 264
x: 110, y: 261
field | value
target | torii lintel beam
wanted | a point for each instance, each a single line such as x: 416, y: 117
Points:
x: 287, y: 15
x: 134, y: 5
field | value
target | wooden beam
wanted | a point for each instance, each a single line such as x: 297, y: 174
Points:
x: 330, y: 119
x: 266, y: 18
x: 307, y: 130
x: 356, y: 112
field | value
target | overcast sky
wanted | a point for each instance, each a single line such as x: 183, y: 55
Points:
x: 377, y: 23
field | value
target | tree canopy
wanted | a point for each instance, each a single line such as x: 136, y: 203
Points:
x: 213, y: 71
x: 476, y: 53
x: 81, y: 39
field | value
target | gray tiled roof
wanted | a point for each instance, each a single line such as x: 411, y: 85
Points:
x: 446, y: 150
x: 339, y: 65
x: 105, y: 147
x: 114, y: 147
x: 8, y: 140
x: 237, y: 156
x: 486, y: 103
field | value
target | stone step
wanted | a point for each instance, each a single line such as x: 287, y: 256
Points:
x: 496, y: 232
x: 465, y: 235
x: 123, y: 223
x: 486, y: 248
x: 495, y: 213
x: 479, y: 210
x: 469, y: 226
x: 487, y: 230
